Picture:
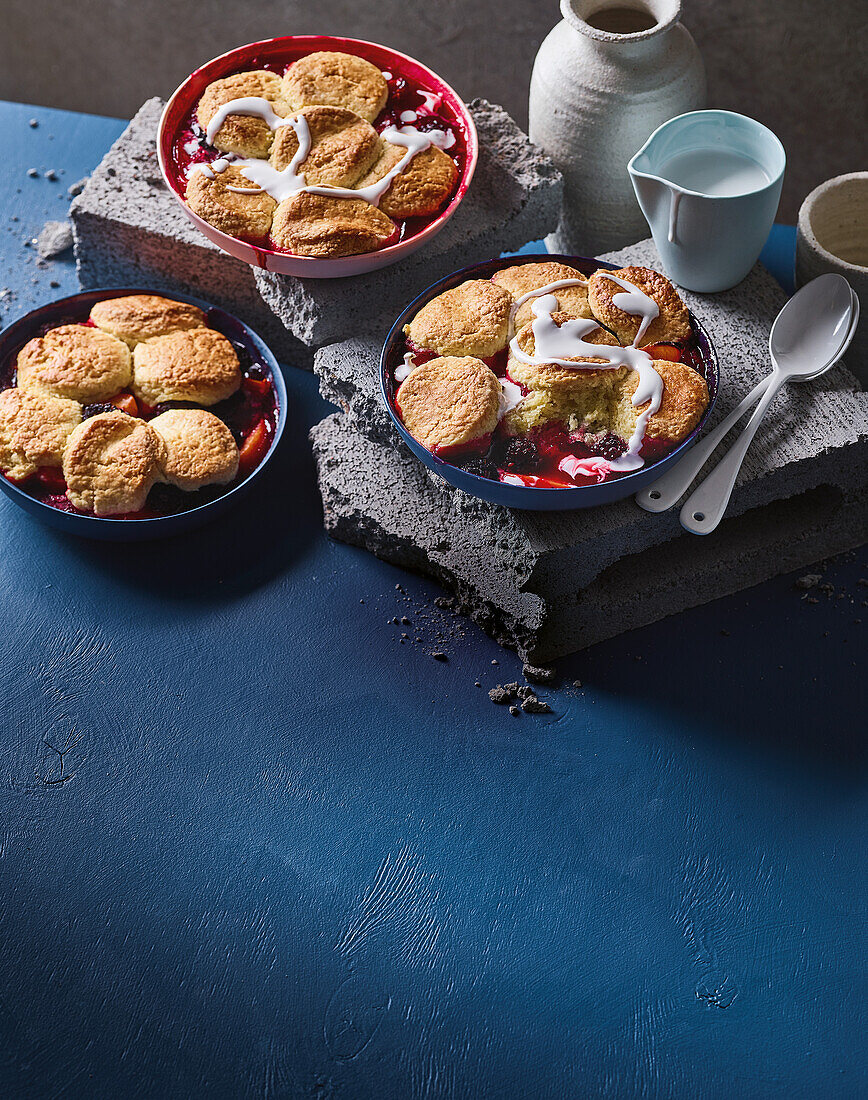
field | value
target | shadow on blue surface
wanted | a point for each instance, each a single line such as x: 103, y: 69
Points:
x: 257, y: 539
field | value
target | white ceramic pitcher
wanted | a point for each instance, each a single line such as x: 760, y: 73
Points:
x: 709, y: 183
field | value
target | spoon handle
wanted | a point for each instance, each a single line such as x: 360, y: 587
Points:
x: 704, y: 508
x: 666, y: 490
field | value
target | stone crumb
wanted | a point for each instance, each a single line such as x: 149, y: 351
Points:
x: 55, y: 239
x: 538, y: 674
x: 809, y: 580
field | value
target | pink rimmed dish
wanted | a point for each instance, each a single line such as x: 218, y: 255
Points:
x: 406, y: 77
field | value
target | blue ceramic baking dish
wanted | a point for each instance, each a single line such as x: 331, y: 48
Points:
x: 76, y: 308
x: 524, y: 496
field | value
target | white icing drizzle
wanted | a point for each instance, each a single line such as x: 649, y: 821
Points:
x: 562, y: 345
x: 409, y: 116
x: 510, y: 397
x: 432, y: 101
x: 283, y: 184
x: 675, y: 198
x: 279, y: 184
x: 387, y: 75
x: 636, y: 302
x: 251, y: 105
x: 404, y: 371
x: 547, y: 289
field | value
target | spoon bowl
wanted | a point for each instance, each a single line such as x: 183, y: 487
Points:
x: 810, y: 330
x: 809, y: 335
x: 675, y: 482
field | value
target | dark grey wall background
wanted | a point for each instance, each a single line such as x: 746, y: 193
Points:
x: 797, y: 65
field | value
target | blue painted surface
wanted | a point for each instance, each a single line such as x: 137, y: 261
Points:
x: 254, y: 846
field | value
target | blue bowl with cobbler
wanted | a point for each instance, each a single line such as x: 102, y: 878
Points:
x: 126, y: 414
x: 549, y: 382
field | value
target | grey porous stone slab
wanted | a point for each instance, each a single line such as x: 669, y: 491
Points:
x: 548, y: 583
x: 130, y: 231
x: 515, y: 197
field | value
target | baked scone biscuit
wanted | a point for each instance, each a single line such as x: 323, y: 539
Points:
x: 343, y: 146
x: 551, y: 376
x: 136, y: 317
x: 448, y: 402
x: 685, y: 399
x: 318, y: 225
x: 198, y: 365
x: 34, y: 429
x: 470, y: 319
x: 592, y: 405
x: 523, y: 278
x: 111, y: 462
x: 79, y: 362
x: 238, y: 214
x: 200, y: 449
x: 673, y: 323
x: 421, y: 188
x: 336, y: 80
x: 246, y: 135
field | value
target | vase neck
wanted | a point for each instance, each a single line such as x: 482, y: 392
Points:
x: 621, y: 23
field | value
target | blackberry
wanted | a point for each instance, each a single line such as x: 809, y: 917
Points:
x: 94, y: 410
x: 521, y: 453
x: 481, y: 466
x: 431, y: 122
x: 610, y: 446
x: 167, y: 406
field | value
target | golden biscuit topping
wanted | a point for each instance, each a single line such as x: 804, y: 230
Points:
x: 34, y: 429
x: 316, y: 225
x: 242, y: 134
x: 470, y: 319
x: 78, y: 362
x: 200, y: 449
x: 673, y: 322
x: 551, y: 375
x: 521, y: 279
x: 450, y: 401
x: 136, y: 317
x: 343, y: 146
x: 104, y: 458
x: 237, y: 213
x: 311, y: 130
x: 336, y: 80
x: 421, y: 188
x: 574, y: 403
x: 111, y: 462
x: 197, y: 365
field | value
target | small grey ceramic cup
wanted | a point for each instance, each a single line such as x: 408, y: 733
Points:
x: 833, y: 236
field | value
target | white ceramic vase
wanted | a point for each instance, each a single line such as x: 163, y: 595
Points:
x: 600, y: 86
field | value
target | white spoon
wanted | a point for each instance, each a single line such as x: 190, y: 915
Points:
x: 809, y: 335
x: 668, y: 489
